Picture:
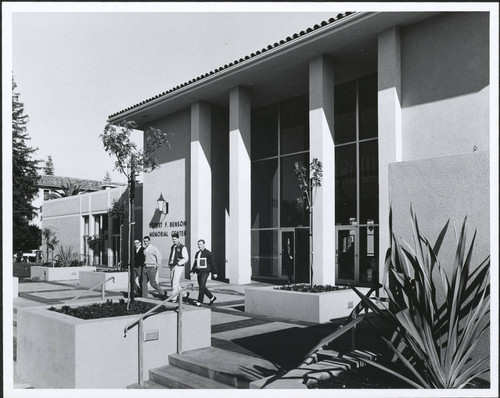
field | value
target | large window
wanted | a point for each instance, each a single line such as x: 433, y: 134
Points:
x: 280, y: 137
x: 356, y: 181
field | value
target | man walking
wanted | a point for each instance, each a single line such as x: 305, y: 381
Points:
x: 178, y: 257
x: 152, y: 262
x: 203, y: 265
x: 142, y: 288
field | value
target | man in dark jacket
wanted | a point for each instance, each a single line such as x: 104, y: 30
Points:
x: 203, y: 265
x: 139, y: 270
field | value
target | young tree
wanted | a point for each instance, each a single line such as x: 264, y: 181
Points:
x: 107, y: 178
x: 130, y: 161
x: 48, y: 169
x: 24, y: 174
x: 309, y: 182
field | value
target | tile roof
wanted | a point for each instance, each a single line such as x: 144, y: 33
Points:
x: 59, y: 182
x: 226, y: 66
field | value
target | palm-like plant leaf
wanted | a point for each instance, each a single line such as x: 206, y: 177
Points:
x: 434, y: 342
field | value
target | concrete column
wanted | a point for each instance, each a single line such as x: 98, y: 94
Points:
x: 201, y: 176
x: 91, y: 230
x: 389, y: 127
x: 239, y: 186
x: 321, y: 122
x: 111, y: 257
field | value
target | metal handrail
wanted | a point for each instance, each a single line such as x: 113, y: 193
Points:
x: 140, y: 322
x: 143, y: 316
x: 92, y: 288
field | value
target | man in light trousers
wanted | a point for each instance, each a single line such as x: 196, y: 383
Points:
x: 178, y: 257
x: 152, y: 262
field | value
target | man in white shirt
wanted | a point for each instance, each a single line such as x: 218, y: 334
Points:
x: 151, y: 264
x: 178, y: 257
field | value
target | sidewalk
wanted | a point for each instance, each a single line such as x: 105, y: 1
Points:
x: 283, y: 342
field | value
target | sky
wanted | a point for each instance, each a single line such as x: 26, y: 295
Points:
x: 74, y: 69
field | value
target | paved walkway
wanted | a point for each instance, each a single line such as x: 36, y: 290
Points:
x: 284, y: 342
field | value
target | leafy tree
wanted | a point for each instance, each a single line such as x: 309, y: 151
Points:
x: 309, y: 182
x: 69, y: 188
x: 107, y: 178
x: 130, y: 161
x: 48, y: 169
x: 24, y: 174
x: 34, y: 237
x: 50, y: 240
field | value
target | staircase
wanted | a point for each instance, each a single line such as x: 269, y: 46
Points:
x: 208, y: 368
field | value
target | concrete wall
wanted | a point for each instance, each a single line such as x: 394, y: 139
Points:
x: 448, y: 187
x: 59, y: 351
x: 309, y: 307
x: 67, y: 230
x: 172, y: 180
x: 445, y: 85
x: 61, y: 207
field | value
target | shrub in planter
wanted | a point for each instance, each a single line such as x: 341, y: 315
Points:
x: 66, y: 257
x: 108, y: 309
x: 434, y: 342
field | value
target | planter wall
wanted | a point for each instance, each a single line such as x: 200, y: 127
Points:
x: 311, y: 307
x: 59, y: 351
x: 58, y: 273
x: 88, y: 279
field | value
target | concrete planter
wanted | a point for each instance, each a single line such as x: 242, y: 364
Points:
x: 58, y: 273
x: 311, y: 307
x: 88, y: 279
x: 15, y: 286
x: 59, y: 351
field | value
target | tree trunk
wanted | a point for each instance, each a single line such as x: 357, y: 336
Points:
x: 311, y: 248
x: 121, y: 245
x: 131, y: 231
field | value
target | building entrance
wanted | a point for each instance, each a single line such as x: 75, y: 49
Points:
x: 346, y: 255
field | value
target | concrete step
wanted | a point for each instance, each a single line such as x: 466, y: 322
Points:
x: 173, y: 377
x: 234, y: 369
x: 147, y: 385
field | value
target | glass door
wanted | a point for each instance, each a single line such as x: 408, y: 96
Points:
x: 347, y: 255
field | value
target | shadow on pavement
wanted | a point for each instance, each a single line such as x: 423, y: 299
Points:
x: 287, y: 348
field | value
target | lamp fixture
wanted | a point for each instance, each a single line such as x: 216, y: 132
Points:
x: 162, y: 205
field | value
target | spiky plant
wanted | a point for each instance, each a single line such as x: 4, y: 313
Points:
x: 66, y: 257
x: 434, y: 339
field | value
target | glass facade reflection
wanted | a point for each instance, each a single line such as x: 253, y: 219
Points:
x: 265, y: 193
x: 280, y: 137
x: 356, y: 180
x: 292, y: 214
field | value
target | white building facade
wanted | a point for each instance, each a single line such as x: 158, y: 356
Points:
x: 394, y: 104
